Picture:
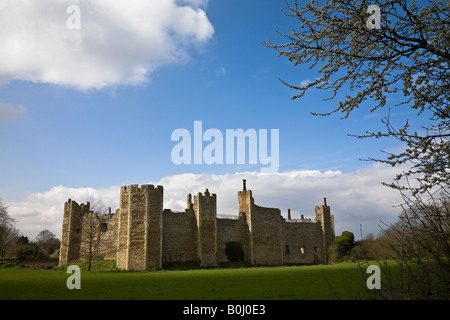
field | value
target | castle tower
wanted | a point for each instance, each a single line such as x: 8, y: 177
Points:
x: 245, y: 205
x: 140, y: 228
x: 205, y: 208
x: 71, y: 231
x: 322, y: 215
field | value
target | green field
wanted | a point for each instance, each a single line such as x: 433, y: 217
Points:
x: 284, y: 282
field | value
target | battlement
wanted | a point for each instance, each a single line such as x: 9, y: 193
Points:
x: 205, y: 205
x: 244, y: 188
x: 189, y: 204
x: 322, y: 211
x: 135, y: 188
x: 82, y: 207
x: 206, y: 197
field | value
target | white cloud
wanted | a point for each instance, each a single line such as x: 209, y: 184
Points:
x: 9, y: 112
x: 355, y: 198
x: 119, y: 43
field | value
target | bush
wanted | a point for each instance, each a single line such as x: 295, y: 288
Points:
x: 9, y: 264
x: 234, y: 251
x: 343, y: 245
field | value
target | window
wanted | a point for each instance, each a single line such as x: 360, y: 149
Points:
x: 315, y: 249
x: 287, y: 249
x: 302, y: 250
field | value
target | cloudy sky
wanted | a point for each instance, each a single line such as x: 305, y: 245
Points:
x: 90, y: 98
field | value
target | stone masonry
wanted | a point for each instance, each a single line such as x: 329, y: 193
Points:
x: 141, y: 235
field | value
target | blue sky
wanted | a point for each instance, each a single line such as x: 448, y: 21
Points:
x: 59, y: 134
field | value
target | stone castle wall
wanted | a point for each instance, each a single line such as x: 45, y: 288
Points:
x: 302, y: 243
x: 179, y: 236
x: 227, y: 230
x: 141, y: 235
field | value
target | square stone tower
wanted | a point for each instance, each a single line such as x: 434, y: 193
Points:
x: 326, y: 220
x: 140, y: 228
x: 71, y: 231
x: 245, y: 206
x: 205, y: 208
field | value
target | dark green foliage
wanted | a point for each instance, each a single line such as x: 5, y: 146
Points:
x: 343, y: 244
x: 9, y: 264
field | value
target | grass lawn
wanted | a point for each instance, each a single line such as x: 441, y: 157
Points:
x: 265, y: 283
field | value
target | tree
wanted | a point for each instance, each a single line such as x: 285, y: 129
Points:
x: 5, y: 219
x: 408, y: 54
x: 421, y: 240
x: 90, y: 235
x: 91, y: 229
x: 8, y: 233
x: 47, y: 243
x: 24, y: 249
x: 344, y: 244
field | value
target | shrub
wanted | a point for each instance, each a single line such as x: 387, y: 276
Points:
x: 343, y: 245
x: 9, y: 264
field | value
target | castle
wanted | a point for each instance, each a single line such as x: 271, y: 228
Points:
x: 141, y: 235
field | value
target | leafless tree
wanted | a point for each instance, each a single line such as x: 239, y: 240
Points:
x: 92, y: 230
x: 8, y: 232
x: 421, y: 241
